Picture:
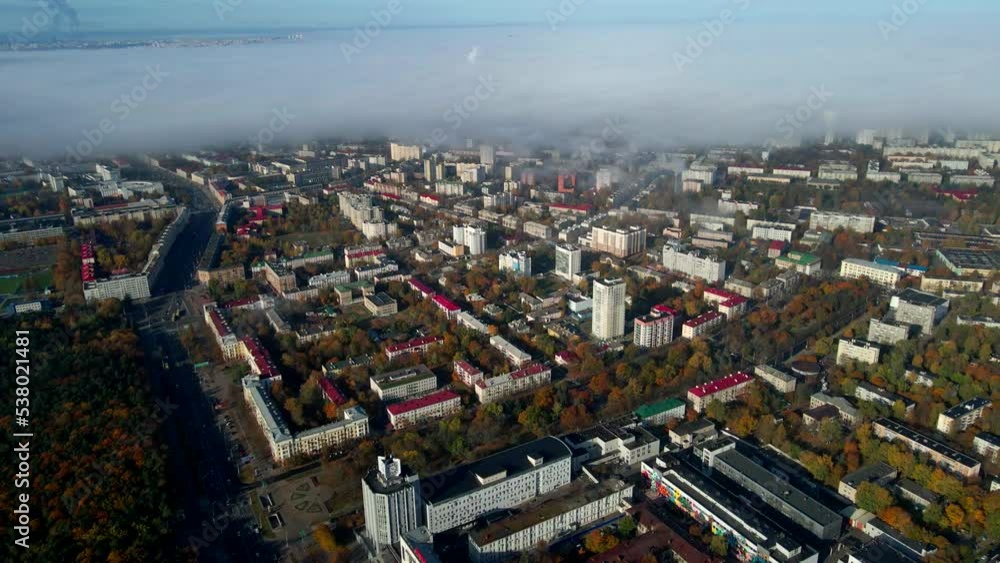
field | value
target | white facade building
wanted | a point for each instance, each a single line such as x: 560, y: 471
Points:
x: 568, y: 261
x: 608, y: 321
x: 392, y: 502
x: 694, y: 265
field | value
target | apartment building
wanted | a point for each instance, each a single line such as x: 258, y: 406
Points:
x: 618, y: 242
x: 421, y: 409
x: 942, y: 454
x: 694, y: 265
x: 502, y: 386
x: 724, y: 390
x: 832, y: 220
x: 415, y: 346
x: 655, y: 329
x: 608, y: 320
x: 781, y: 381
x: 514, y: 355
x: 702, y: 324
x: 285, y: 444
x: 885, y: 276
x: 858, y: 351
x: 468, y: 373
x: 961, y: 416
x: 404, y: 383
x: 918, y: 308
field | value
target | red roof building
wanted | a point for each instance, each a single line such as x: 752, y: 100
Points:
x: 415, y: 346
x: 664, y: 310
x: 331, y: 392
x: 468, y: 373
x: 424, y: 289
x: 260, y: 360
x: 449, y: 307
x: 724, y: 390
x: 436, y: 405
x: 734, y: 307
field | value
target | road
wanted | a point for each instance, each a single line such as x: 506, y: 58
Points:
x: 215, y: 514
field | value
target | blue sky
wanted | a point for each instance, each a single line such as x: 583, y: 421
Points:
x: 181, y: 15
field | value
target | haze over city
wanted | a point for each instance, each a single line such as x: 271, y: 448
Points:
x: 534, y: 281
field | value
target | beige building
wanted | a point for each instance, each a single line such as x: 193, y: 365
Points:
x: 885, y: 276
x: 858, y: 351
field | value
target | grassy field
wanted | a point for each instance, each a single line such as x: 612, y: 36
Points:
x: 13, y: 284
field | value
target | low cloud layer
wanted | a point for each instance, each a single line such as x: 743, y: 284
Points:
x: 685, y: 83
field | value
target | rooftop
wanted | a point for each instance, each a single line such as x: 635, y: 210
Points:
x: 928, y: 442
x: 580, y: 492
x: 700, y: 320
x: 870, y: 473
x: 967, y: 407
x: 799, y: 258
x: 441, y: 396
x: 391, y: 379
x: 917, y: 297
x: 415, y: 343
x: 509, y: 463
x: 779, y: 487
x: 712, y: 387
x: 659, y: 407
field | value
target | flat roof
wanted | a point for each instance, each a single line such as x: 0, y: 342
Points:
x: 653, y: 409
x: 391, y: 379
x: 780, y: 488
x: 734, y: 512
x: 918, y: 297
x: 873, y: 472
x: 965, y: 258
x: 928, y: 442
x: 966, y: 407
x: 514, y: 461
x: 570, y: 497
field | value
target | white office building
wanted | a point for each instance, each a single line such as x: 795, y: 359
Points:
x: 568, y: 261
x: 392, y: 502
x: 693, y: 265
x: 504, y: 480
